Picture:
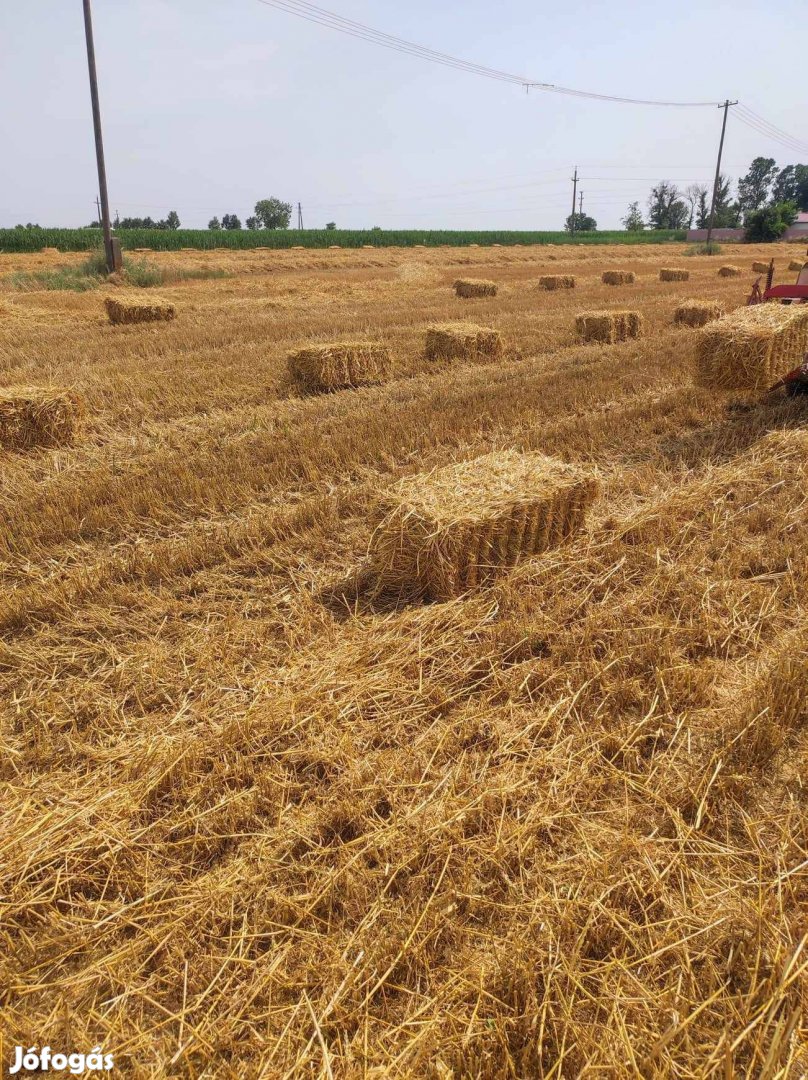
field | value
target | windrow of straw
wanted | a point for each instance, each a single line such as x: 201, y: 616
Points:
x: 672, y: 274
x: 450, y: 530
x: 698, y: 312
x: 608, y: 327
x: 37, y: 416
x: 557, y: 281
x: 463, y: 341
x: 730, y: 271
x: 474, y: 287
x: 751, y: 347
x: 618, y: 277
x: 760, y: 267
x: 339, y: 365
x: 137, y: 309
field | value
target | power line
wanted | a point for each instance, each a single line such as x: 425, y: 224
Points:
x: 769, y: 131
x: 323, y: 17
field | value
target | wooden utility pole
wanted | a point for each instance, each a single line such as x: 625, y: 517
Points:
x: 111, y: 249
x: 574, y: 198
x: 725, y: 107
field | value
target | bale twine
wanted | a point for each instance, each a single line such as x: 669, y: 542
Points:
x: 698, y: 312
x: 608, y: 327
x: 339, y: 365
x: 617, y: 277
x: 463, y: 341
x: 670, y: 274
x: 760, y: 267
x: 473, y: 287
x: 455, y: 528
x: 751, y: 347
x: 137, y: 309
x: 36, y: 416
x: 557, y: 281
x: 730, y: 271
x: 797, y: 265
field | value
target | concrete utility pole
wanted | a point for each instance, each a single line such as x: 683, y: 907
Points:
x: 112, y: 248
x: 581, y: 203
x: 725, y: 107
x: 299, y: 216
x: 574, y: 198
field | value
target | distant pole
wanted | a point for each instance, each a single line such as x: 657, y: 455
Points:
x: 574, y: 199
x: 98, y: 209
x: 299, y: 216
x: 581, y: 203
x: 99, y: 143
x: 725, y: 107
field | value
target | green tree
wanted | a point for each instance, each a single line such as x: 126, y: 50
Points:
x: 273, y: 214
x: 666, y: 207
x: 230, y: 221
x: 214, y: 224
x: 331, y: 225
x: 580, y: 223
x: 753, y: 189
x: 173, y: 219
x: 791, y: 185
x: 252, y: 223
x: 769, y: 222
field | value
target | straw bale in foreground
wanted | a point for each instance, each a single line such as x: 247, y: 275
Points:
x: 450, y: 530
x: 463, y: 341
x: 137, y: 309
x: 672, y: 274
x: 751, y: 347
x: 698, y: 312
x: 730, y: 271
x: 760, y: 267
x: 608, y: 326
x: 557, y: 281
x: 617, y: 277
x: 471, y: 287
x: 338, y: 365
x: 35, y: 416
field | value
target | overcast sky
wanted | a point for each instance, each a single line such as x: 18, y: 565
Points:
x: 209, y: 105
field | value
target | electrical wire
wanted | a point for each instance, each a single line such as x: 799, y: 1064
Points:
x: 769, y: 131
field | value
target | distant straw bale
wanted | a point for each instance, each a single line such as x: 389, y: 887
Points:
x: 760, y: 267
x: 557, y: 281
x: 751, y: 347
x: 472, y: 287
x: 797, y: 265
x: 730, y: 271
x: 463, y: 341
x: 132, y: 308
x: 670, y: 274
x: 447, y: 531
x: 141, y: 251
x: 608, y: 327
x: 50, y: 251
x: 339, y: 365
x: 35, y: 416
x: 617, y: 277
x: 698, y: 312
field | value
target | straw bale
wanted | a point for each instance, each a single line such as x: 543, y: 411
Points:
x: 338, y: 365
x: 730, y: 271
x: 618, y: 277
x: 760, y: 267
x: 670, y: 274
x: 449, y: 530
x: 751, y: 347
x: 608, y: 326
x: 141, y: 251
x: 471, y: 287
x: 50, y: 251
x: 797, y: 264
x: 38, y: 416
x: 557, y: 281
x: 463, y: 341
x: 136, y: 309
x: 698, y: 312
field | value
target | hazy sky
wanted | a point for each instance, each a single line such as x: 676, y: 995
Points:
x: 209, y: 105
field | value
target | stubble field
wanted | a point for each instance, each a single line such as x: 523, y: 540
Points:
x: 255, y: 824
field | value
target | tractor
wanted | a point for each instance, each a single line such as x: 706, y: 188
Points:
x: 796, y: 381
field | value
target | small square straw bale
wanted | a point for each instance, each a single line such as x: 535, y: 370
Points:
x: 38, y: 416
x: 557, y: 281
x: 463, y: 341
x: 797, y: 265
x: 50, y: 251
x: 672, y: 274
x: 608, y: 326
x: 698, y: 312
x: 730, y: 271
x: 617, y: 277
x: 449, y: 530
x: 760, y: 267
x: 133, y: 308
x: 339, y: 365
x: 750, y: 348
x: 471, y: 287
